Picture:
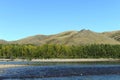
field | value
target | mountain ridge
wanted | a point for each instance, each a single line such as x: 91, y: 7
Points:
x: 81, y: 37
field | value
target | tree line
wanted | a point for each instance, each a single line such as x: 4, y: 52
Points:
x: 28, y: 51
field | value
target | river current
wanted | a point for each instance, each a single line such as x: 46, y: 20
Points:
x: 61, y: 71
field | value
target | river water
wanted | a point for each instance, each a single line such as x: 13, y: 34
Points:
x: 61, y: 71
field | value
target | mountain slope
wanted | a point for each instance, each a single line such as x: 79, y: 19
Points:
x: 89, y: 37
x: 82, y: 37
x: 114, y: 34
x: 70, y: 38
x: 37, y: 39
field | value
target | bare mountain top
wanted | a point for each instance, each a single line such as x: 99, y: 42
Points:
x: 73, y: 38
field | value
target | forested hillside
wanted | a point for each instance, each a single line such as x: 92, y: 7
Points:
x: 69, y: 44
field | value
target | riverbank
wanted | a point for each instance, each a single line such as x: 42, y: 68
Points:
x: 52, y: 60
x: 65, y: 60
x: 10, y: 65
x: 75, y: 60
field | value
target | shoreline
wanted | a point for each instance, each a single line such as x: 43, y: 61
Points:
x: 66, y: 60
x: 75, y: 60
x: 53, y: 60
x: 10, y: 65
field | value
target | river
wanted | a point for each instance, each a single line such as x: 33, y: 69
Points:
x: 61, y: 71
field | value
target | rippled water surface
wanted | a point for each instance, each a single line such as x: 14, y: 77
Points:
x: 61, y: 71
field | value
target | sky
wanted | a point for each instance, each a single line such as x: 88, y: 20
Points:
x: 23, y: 18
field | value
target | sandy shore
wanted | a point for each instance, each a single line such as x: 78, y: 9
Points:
x: 10, y: 65
x: 56, y: 60
x: 74, y: 60
x: 66, y: 60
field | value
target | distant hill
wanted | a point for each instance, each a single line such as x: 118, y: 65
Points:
x: 82, y: 37
x: 3, y: 42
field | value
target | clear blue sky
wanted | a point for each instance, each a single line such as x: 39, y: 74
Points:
x: 22, y: 18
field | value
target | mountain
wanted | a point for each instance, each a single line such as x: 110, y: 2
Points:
x: 82, y: 37
x: 3, y: 42
x: 37, y: 39
x: 114, y: 34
